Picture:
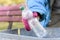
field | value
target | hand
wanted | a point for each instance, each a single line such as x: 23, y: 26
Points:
x: 26, y: 15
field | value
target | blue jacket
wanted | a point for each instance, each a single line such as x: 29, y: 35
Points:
x: 41, y: 6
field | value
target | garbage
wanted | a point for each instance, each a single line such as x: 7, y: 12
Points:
x: 33, y: 22
x: 37, y: 27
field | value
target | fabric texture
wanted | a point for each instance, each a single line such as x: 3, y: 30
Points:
x: 25, y: 21
x: 41, y: 6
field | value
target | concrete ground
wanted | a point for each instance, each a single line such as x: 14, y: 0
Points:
x: 53, y: 32
x: 53, y: 28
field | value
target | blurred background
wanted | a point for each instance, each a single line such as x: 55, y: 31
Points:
x: 55, y: 16
x: 54, y: 23
x: 4, y: 25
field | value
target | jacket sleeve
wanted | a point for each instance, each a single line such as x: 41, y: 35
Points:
x: 41, y: 6
x: 37, y: 5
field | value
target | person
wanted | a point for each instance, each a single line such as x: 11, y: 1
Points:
x: 39, y: 8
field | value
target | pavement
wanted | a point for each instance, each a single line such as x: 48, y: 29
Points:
x: 53, y: 30
x: 52, y: 33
